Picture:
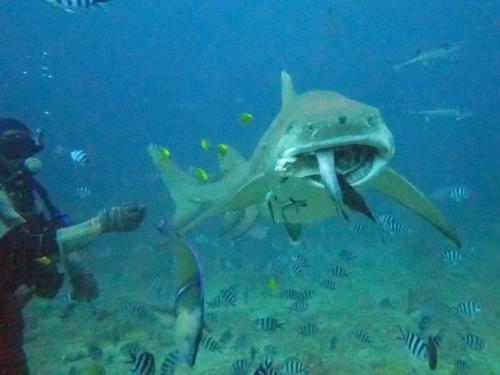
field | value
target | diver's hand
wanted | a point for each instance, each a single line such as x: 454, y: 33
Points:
x: 121, y: 218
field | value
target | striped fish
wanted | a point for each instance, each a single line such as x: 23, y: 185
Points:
x: 339, y: 271
x: 266, y: 368
x: 211, y: 344
x: 459, y: 193
x: 300, y: 260
x: 82, y: 192
x: 359, y: 228
x: 452, y: 256
x: 79, y: 157
x: 298, y: 306
x: 138, y: 311
x: 143, y: 364
x: 308, y: 329
x: 169, y: 363
x: 361, y: 336
x: 290, y: 294
x: 226, y: 297
x: 295, y: 270
x: 413, y: 343
x: 240, y: 367
x: 469, y: 308
x: 328, y: 284
x: 462, y: 367
x: 391, y: 226
x: 305, y: 294
x: 268, y: 324
x: 71, y: 5
x: 293, y: 367
x: 473, y: 341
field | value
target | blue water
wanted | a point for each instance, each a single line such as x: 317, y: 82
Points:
x: 173, y: 72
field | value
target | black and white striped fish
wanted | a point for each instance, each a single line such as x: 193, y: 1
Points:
x: 459, y: 193
x: 169, y: 363
x: 240, y: 367
x: 79, y: 157
x: 359, y: 228
x: 339, y: 271
x: 473, y: 341
x: 469, y: 308
x: 300, y: 305
x: 300, y: 260
x: 138, y: 311
x: 462, y: 367
x: 361, y: 336
x: 308, y: 329
x: 143, y: 364
x: 391, y: 226
x: 226, y: 297
x: 295, y: 270
x: 452, y: 256
x: 290, y: 294
x: 413, y: 343
x: 266, y: 368
x: 72, y: 5
x: 293, y: 367
x: 305, y: 294
x: 268, y: 323
x: 328, y: 284
x: 211, y: 344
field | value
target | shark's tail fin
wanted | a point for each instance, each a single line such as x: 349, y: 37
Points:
x: 180, y: 185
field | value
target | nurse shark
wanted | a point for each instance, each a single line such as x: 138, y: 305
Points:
x: 317, y: 156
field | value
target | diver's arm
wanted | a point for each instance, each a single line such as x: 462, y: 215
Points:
x: 114, y: 219
x: 78, y: 236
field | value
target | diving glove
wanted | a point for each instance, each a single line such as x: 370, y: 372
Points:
x: 121, y: 218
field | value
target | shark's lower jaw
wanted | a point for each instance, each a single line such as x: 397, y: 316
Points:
x: 355, y: 162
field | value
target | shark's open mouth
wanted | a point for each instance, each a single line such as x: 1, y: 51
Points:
x: 354, y: 162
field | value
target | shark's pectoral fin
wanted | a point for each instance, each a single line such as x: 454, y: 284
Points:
x: 293, y: 231
x: 253, y: 191
x: 402, y: 191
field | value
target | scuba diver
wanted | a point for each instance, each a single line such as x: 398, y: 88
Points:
x: 35, y: 237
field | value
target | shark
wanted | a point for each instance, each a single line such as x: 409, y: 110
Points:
x: 451, y: 113
x: 313, y: 162
x: 443, y: 52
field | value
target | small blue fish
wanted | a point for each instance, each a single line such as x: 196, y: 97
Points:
x: 309, y: 329
x: 82, y: 192
x: 169, y: 363
x: 452, y: 256
x: 293, y: 367
x: 473, y: 341
x: 268, y: 324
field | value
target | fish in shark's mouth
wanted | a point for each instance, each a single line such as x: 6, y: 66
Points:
x: 338, y: 168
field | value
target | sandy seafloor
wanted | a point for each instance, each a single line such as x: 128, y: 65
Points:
x: 380, y: 270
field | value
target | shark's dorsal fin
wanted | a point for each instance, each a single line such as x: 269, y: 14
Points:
x: 402, y: 191
x: 287, y: 91
x: 253, y: 191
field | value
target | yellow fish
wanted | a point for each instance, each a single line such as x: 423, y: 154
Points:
x: 43, y: 260
x: 165, y: 153
x: 246, y: 118
x: 201, y: 175
x: 272, y: 285
x: 205, y: 144
x: 222, y: 149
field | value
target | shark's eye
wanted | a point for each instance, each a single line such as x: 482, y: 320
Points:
x: 290, y: 127
x: 342, y: 119
x: 370, y: 119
